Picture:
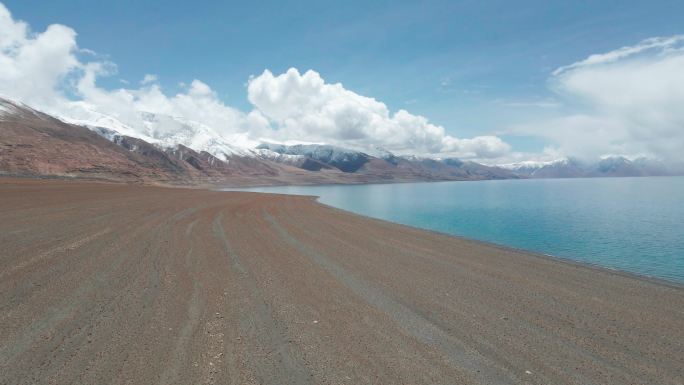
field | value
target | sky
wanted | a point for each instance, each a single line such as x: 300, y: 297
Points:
x: 494, y: 81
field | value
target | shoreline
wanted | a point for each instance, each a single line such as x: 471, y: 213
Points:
x: 503, y: 247
x: 120, y: 283
x: 556, y: 258
x: 222, y: 186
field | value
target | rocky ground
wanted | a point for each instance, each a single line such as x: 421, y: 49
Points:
x: 125, y: 284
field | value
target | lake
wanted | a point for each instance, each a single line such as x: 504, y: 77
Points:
x: 630, y: 224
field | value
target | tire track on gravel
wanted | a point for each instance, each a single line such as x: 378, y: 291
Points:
x: 478, y: 366
x: 194, y: 311
x: 483, y: 346
x: 262, y: 329
x: 75, y: 244
x: 79, y: 300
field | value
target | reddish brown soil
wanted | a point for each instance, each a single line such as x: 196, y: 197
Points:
x: 143, y: 285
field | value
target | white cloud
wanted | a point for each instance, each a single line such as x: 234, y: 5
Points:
x: 627, y: 101
x: 654, y: 43
x: 149, y: 78
x: 198, y: 102
x: 41, y: 69
x: 304, y: 106
x: 33, y: 66
x: 631, y: 102
x: 547, y: 155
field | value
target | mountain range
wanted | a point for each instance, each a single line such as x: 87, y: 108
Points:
x: 176, y: 151
x: 614, y: 166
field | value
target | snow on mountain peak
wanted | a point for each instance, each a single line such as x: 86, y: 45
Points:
x: 163, y: 130
x: 6, y: 109
x: 94, y: 120
x: 10, y: 107
x: 171, y: 131
x: 531, y: 164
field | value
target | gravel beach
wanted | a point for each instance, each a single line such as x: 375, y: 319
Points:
x: 124, y: 284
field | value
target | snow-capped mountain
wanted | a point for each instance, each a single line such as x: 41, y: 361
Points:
x: 163, y: 149
x: 171, y: 131
x: 610, y: 166
x: 529, y: 164
x: 343, y: 159
x: 163, y: 130
x: 299, y: 161
x: 531, y: 167
x: 11, y: 108
x: 157, y: 148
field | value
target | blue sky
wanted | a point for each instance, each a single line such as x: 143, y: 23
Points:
x: 473, y: 67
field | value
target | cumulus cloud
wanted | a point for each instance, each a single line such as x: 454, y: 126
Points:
x: 33, y: 67
x: 197, y: 102
x: 627, y: 101
x: 41, y: 69
x: 305, y: 106
x: 631, y: 102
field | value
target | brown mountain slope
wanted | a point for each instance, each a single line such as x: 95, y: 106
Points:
x: 36, y: 144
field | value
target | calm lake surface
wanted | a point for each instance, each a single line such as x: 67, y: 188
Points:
x: 631, y: 224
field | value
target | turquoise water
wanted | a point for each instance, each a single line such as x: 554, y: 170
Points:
x: 631, y: 224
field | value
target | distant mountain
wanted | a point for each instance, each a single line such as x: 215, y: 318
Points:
x: 342, y: 159
x: 162, y: 130
x: 170, y: 150
x: 615, y: 166
x: 384, y: 165
x: 36, y: 144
